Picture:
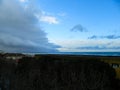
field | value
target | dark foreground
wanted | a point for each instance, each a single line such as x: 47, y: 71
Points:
x: 57, y: 72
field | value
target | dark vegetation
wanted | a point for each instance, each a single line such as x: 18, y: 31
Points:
x: 48, y: 73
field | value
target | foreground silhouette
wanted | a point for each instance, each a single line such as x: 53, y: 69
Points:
x: 48, y: 73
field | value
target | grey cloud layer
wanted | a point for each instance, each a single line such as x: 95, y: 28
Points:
x: 98, y: 48
x: 104, y: 37
x: 19, y: 31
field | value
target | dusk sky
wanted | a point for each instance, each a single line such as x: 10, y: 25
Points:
x: 59, y: 25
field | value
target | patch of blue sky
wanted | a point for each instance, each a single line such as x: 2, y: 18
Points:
x: 99, y: 17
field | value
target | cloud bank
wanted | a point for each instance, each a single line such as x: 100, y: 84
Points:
x: 98, y: 48
x: 19, y: 30
x: 104, y: 37
x: 86, y: 45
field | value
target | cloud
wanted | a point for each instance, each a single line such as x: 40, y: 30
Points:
x: 46, y: 17
x: 85, y: 45
x: 104, y: 37
x: 49, y: 19
x: 98, y: 48
x: 19, y: 30
x: 23, y: 0
x: 79, y: 28
x: 90, y: 48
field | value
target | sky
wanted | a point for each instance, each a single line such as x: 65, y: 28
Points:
x: 59, y: 25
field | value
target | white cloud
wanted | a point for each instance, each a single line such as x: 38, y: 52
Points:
x: 46, y: 17
x: 87, y: 45
x: 23, y: 0
x: 49, y: 19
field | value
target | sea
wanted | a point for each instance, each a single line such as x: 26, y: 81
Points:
x: 86, y: 53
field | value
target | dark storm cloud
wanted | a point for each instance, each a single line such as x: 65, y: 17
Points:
x: 19, y: 31
x: 79, y: 28
x: 104, y: 37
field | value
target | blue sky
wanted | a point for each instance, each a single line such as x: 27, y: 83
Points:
x: 100, y: 18
x: 60, y: 25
